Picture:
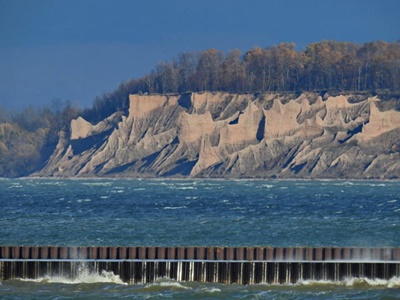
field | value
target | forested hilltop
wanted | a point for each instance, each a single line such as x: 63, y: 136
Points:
x: 324, y: 66
x: 27, y: 138
x: 327, y: 65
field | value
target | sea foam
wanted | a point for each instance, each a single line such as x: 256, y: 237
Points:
x: 84, y: 276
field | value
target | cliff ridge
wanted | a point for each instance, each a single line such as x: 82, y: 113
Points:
x: 235, y: 135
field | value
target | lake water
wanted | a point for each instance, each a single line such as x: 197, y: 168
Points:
x: 198, y: 213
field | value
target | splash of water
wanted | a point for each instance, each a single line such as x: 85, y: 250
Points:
x: 83, y: 276
x: 393, y: 282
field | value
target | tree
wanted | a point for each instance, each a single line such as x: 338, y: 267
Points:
x: 286, y: 67
x: 232, y: 72
x: 207, y: 70
x: 187, y: 63
x: 393, y: 66
x: 167, y: 77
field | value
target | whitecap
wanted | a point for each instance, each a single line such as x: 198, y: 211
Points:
x: 15, y: 186
x: 393, y: 282
x: 318, y: 282
x: 237, y: 208
x: 175, y: 207
x: 166, y: 284
x: 83, y: 200
x: 185, y: 188
x: 268, y: 186
x: 97, y: 183
x: 56, y: 183
x: 356, y: 281
x: 211, y: 290
x: 186, y: 183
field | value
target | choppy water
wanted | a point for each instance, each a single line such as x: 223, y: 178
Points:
x: 198, y: 213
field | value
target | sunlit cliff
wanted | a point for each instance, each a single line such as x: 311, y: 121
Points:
x: 235, y: 135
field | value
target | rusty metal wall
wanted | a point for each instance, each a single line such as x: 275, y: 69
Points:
x: 201, y: 253
x: 242, y: 265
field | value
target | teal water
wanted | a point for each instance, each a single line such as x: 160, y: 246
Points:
x: 198, y: 213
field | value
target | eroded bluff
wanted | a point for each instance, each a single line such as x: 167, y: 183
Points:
x: 230, y: 135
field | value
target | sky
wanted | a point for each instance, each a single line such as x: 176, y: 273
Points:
x: 79, y: 49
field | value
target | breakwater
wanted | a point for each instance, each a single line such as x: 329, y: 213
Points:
x: 242, y: 265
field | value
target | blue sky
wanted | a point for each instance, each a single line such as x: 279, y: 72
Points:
x: 78, y: 49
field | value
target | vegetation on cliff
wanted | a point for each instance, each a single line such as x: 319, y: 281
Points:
x: 327, y: 65
x: 28, y: 138
x: 324, y: 66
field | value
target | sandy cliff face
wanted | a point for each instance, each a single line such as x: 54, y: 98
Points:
x: 229, y: 135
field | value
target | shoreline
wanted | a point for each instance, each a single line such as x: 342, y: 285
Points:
x: 200, y: 179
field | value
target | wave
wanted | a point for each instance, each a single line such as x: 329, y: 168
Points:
x: 238, y: 208
x: 211, y: 290
x: 107, y: 183
x: 84, y: 276
x: 175, y: 207
x: 268, y: 186
x: 183, y: 188
x: 163, y: 284
x: 345, y: 183
x: 15, y: 186
x: 377, y: 184
x: 357, y: 282
x: 51, y: 182
x: 84, y: 200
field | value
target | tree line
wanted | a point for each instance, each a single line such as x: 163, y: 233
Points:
x: 322, y: 66
x: 327, y: 65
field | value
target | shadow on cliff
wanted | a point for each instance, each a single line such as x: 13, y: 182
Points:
x: 184, y: 167
x: 81, y: 145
